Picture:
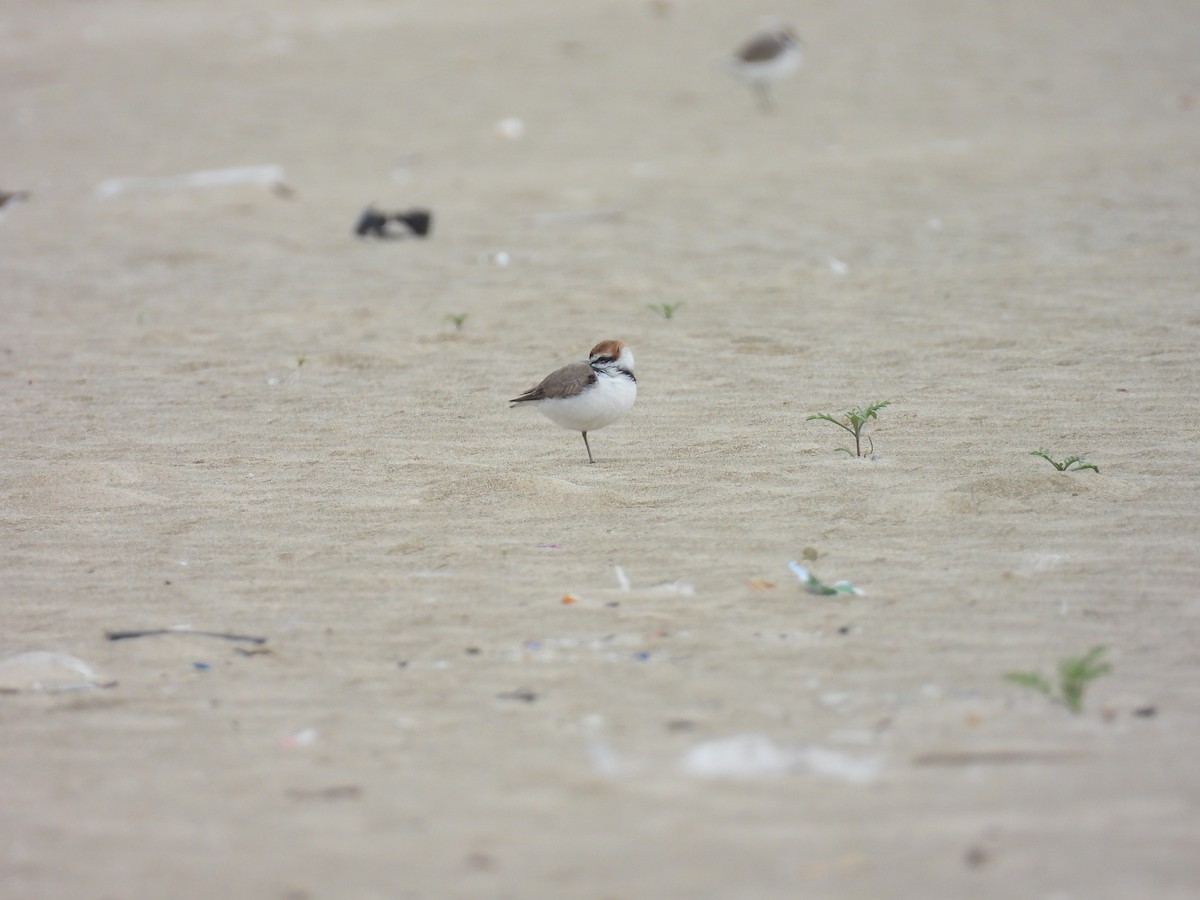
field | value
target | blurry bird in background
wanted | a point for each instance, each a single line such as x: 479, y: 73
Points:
x: 766, y: 58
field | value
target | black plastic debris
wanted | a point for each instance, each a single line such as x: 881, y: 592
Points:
x: 374, y: 223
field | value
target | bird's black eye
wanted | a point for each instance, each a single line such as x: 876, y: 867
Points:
x: 606, y: 359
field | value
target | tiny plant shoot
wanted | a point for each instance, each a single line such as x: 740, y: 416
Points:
x: 1074, y: 676
x: 459, y: 320
x: 666, y: 310
x: 1070, y: 464
x: 853, y: 421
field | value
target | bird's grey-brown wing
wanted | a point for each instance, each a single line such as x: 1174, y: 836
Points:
x: 762, y: 48
x: 565, y: 382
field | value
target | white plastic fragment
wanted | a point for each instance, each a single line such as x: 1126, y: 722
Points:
x: 676, y: 587
x: 42, y: 671
x: 837, y: 266
x: 270, y: 176
x: 740, y: 756
x: 622, y: 578
x: 756, y: 756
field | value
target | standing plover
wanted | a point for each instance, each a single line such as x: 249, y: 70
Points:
x: 584, y: 396
x: 765, y: 59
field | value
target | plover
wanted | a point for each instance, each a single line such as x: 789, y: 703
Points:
x: 765, y: 59
x: 584, y: 396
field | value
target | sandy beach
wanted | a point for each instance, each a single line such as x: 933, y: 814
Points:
x: 488, y: 669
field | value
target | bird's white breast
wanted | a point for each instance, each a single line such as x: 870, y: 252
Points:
x: 780, y: 66
x: 607, y: 401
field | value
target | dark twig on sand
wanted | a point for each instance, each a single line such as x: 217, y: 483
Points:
x: 153, y: 632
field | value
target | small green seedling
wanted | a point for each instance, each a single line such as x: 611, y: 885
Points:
x: 458, y: 319
x: 1078, y: 462
x: 666, y: 310
x: 300, y: 360
x: 1074, y: 676
x: 853, y: 421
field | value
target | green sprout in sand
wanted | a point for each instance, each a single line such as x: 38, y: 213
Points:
x: 666, y: 310
x: 1074, y: 676
x: 458, y: 320
x: 1070, y: 464
x: 852, y: 421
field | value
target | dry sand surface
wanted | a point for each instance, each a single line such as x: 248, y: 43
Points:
x: 220, y: 409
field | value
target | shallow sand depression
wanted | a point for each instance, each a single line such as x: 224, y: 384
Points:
x: 224, y: 411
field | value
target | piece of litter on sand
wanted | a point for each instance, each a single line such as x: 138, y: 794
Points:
x: 814, y: 585
x: 739, y: 756
x: 524, y: 695
x: 270, y: 176
x: 676, y: 587
x: 568, y: 599
x: 756, y: 756
x: 760, y: 584
x: 201, y: 666
x: 184, y: 629
x: 46, y: 672
x: 837, y: 266
x: 253, y: 651
x: 622, y: 578
x: 301, y: 738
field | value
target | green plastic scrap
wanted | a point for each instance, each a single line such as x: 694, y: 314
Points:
x: 814, y: 585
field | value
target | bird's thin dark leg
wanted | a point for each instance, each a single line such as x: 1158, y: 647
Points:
x: 589, y: 447
x: 764, y: 96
